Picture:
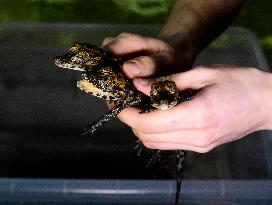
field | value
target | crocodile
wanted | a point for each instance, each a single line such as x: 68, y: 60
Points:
x: 102, y: 76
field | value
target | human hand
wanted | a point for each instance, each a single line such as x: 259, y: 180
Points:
x: 155, y: 57
x: 233, y: 102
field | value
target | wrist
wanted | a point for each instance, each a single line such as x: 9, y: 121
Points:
x: 184, y: 47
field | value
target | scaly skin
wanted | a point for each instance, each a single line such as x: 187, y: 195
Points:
x: 103, y: 77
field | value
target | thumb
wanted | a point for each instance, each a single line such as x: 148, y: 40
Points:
x: 132, y: 44
x: 143, y: 85
x: 196, y: 78
x: 146, y: 66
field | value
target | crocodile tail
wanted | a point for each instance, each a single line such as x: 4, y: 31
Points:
x: 180, y: 158
x: 91, y: 129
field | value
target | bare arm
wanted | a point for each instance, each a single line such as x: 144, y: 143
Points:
x: 229, y: 97
x: 233, y: 103
x: 193, y: 24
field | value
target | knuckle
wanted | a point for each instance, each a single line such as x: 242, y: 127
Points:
x: 135, y: 38
x: 131, y: 36
x: 124, y: 34
x: 146, y: 60
x: 204, y: 141
x: 150, y: 145
x: 162, y: 59
x: 205, y: 150
x: 107, y: 40
x: 144, y: 128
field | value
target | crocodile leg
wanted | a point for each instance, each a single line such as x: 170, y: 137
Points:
x: 111, y: 114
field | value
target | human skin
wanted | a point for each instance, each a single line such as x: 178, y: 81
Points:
x: 233, y: 102
x: 190, y: 28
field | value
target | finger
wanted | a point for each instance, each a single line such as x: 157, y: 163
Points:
x: 180, y: 117
x: 143, y: 85
x: 127, y: 43
x: 145, y: 66
x: 107, y: 41
x: 196, y: 78
x: 174, y: 146
x: 187, y: 137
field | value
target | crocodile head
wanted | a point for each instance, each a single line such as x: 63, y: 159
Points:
x: 164, y: 94
x: 81, y: 56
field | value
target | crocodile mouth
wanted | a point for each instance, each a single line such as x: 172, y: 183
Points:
x: 164, y: 104
x: 65, y: 62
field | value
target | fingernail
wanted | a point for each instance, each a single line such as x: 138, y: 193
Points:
x: 144, y: 82
x: 132, y: 68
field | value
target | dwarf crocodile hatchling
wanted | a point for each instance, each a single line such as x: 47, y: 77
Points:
x: 102, y: 77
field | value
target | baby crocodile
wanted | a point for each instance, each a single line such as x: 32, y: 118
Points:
x: 102, y: 77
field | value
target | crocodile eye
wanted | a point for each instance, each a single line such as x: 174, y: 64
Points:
x: 73, y: 50
x: 77, y: 62
x: 173, y: 89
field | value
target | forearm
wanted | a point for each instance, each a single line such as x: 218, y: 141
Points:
x: 198, y: 22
